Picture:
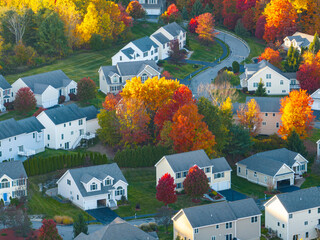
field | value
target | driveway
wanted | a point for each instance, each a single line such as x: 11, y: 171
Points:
x: 238, y: 52
x: 232, y: 195
x: 289, y: 189
x: 104, y: 215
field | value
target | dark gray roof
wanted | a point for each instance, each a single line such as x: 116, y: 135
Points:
x: 100, y: 172
x: 267, y: 104
x: 11, y: 127
x: 221, y: 212
x: 3, y: 83
x: 290, y: 75
x: 161, y: 38
x: 236, y: 106
x: 220, y: 165
x: 39, y: 82
x: 13, y: 169
x: 302, y: 39
x: 128, y: 52
x: 117, y: 229
x: 70, y: 112
x: 301, y: 199
x: 260, y: 65
x: 174, y: 29
x: 184, y: 161
x: 144, y: 44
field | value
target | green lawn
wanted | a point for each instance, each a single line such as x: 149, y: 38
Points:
x: 180, y: 71
x: 204, y: 53
x: 311, y: 181
x: 16, y: 115
x: 315, y: 136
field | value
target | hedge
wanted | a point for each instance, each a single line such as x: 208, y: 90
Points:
x: 42, y: 165
x: 146, y: 156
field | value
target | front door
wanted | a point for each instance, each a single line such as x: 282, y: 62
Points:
x: 5, y: 197
x: 60, y: 92
x: 66, y: 145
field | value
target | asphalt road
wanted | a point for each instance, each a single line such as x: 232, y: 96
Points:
x: 238, y: 52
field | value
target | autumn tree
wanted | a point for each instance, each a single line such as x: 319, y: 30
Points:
x: 309, y: 72
x: 196, y: 182
x: 205, y: 28
x: 135, y: 10
x: 86, y: 89
x: 249, y: 116
x: 260, y: 26
x: 261, y: 90
x: 272, y: 56
x: 294, y: 143
x: 227, y: 76
x: 111, y: 101
x: 315, y: 45
x: 171, y: 15
x: 243, y: 5
x: 292, y: 61
x: 166, y: 190
x: 166, y: 75
x: 176, y: 55
x: 109, y: 131
x: 25, y: 100
x: 193, y: 24
x: 296, y: 114
x: 49, y: 231
x: 248, y: 21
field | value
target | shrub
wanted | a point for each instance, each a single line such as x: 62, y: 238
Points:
x: 58, y: 219
x: 61, y: 99
x: 235, y: 66
x: 73, y: 97
x: 67, y: 220
x: 145, y: 227
x: 153, y: 226
x: 9, y: 106
x: 161, y: 62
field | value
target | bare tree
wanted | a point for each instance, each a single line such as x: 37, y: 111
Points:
x: 17, y: 25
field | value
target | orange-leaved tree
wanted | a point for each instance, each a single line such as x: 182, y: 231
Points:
x: 296, y: 114
x: 205, y: 28
x: 135, y: 10
x: 272, y: 56
x: 111, y: 101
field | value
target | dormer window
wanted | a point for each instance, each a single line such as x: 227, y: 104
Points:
x: 93, y: 186
x: 107, y: 182
x: 144, y: 77
x: 114, y: 79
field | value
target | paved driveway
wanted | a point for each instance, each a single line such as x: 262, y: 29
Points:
x: 103, y: 215
x: 289, y: 189
x: 232, y: 195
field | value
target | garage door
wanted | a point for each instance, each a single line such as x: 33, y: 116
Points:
x: 283, y: 183
x: 219, y: 186
x: 49, y: 103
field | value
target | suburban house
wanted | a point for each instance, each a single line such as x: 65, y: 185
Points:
x: 13, y: 180
x: 177, y: 165
x: 219, y: 221
x: 275, y: 81
x: 113, y: 78
x: 66, y: 126
x: 118, y: 229
x: 167, y: 33
x: 298, y: 40
x: 47, y: 87
x: 276, y: 168
x: 20, y: 139
x: 270, y: 113
x: 6, y: 95
x: 93, y: 187
x: 137, y: 50
x: 294, y: 215
x: 316, y: 100
x: 153, y: 7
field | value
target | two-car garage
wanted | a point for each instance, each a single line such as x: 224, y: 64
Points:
x: 219, y: 186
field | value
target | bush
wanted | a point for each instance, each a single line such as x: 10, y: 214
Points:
x: 67, y: 220
x: 9, y: 106
x: 161, y: 62
x: 73, y: 97
x: 263, y: 143
x: 145, y: 227
x: 61, y: 99
x: 235, y: 66
x: 153, y: 226
x: 58, y: 219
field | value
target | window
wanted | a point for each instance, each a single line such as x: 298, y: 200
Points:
x: 246, y: 171
x: 144, y: 77
x: 73, y: 90
x: 0, y: 154
x: 268, y: 84
x: 229, y: 237
x: 68, y: 182
x: 48, y: 136
x: 10, y: 149
x: 69, y: 123
x: 266, y: 114
x: 71, y: 132
x: 155, y: 50
x: 255, y: 84
x: 80, y: 122
x: 239, y: 169
x: 219, y: 175
x: 229, y: 225
x: 303, y: 167
x: 20, y: 148
x: 93, y: 186
x: 255, y: 174
x: 167, y: 44
x: 264, y: 123
x: 319, y: 221
x: 185, y: 173
x: 163, y: 46
x: 64, y: 125
x: 178, y: 175
x: 217, y: 226
x: 114, y: 79
x: 77, y: 197
x: 145, y: 54
x: 307, y: 234
x: 120, y: 191
x: 278, y: 224
x: 196, y: 230
x: 15, y: 138
x: 4, y: 183
x: 213, y: 238
x: 62, y: 136
x: 209, y: 179
x: 254, y: 219
x: 282, y: 225
x: 268, y: 76
x: 281, y: 82
x: 33, y: 135
x: 277, y: 124
x: 151, y: 52
x: 318, y: 210
x: 306, y: 223
x: 290, y: 215
x: 207, y: 169
x: 309, y: 211
x: 107, y: 182
x: 284, y: 91
x: 156, y: 58
x: 273, y: 114
x: 265, y: 179
x: 178, y: 185
x: 120, y: 58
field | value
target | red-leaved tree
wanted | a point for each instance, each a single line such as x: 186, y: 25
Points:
x: 193, y: 25
x: 167, y: 75
x: 196, y: 182
x: 40, y: 110
x: 124, y: 16
x: 248, y: 20
x: 230, y: 20
x: 25, y: 100
x: 166, y: 190
x: 243, y: 5
x: 111, y: 101
x: 309, y: 74
x: 135, y: 10
x: 261, y: 22
x: 273, y: 56
x: 86, y: 89
x: 49, y: 231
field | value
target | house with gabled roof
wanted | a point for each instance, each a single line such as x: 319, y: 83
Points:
x: 13, y: 180
x: 67, y: 126
x: 113, y: 78
x: 298, y: 40
x: 153, y: 7
x: 47, y: 87
x: 276, y: 168
x: 177, y: 165
x: 93, y: 187
x: 219, y: 221
x: 20, y: 139
x: 316, y: 100
x: 294, y: 215
x: 6, y: 94
x: 275, y: 81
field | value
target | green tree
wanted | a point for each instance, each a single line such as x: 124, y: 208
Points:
x: 240, y: 141
x: 197, y: 9
x: 80, y: 226
x: 240, y: 29
x: 109, y: 127
x: 294, y: 143
x: 227, y: 76
x: 207, y: 9
x: 292, y: 61
x: 235, y: 66
x: 315, y: 45
x: 86, y: 89
x: 185, y: 14
x: 261, y: 90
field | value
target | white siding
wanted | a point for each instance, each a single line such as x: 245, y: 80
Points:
x: 9, y: 191
x: 49, y: 97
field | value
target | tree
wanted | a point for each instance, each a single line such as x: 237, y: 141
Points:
x: 230, y: 20
x: 166, y: 75
x: 205, y: 28
x: 163, y: 217
x: 249, y: 116
x: 197, y: 9
x: 176, y: 55
x: 271, y: 56
x: 315, y: 45
x: 80, y: 226
x: 171, y: 15
x: 227, y: 76
x: 48, y: 230
x: 25, y: 100
x: 17, y: 25
x: 240, y: 29
x: 185, y: 14
x: 135, y: 10
x: 196, y: 182
x: 166, y: 190
x: 260, y: 26
x: 86, y: 89
x: 261, y: 90
x: 296, y: 114
x: 207, y: 9
x: 111, y: 101
x: 109, y: 127
x: 243, y: 5
x: 309, y: 72
x: 193, y: 24
x: 294, y: 143
x: 235, y: 66
x: 292, y: 60
x: 240, y: 141
x: 249, y: 21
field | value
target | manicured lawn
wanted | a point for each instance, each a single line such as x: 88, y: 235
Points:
x: 16, y: 115
x: 257, y: 46
x: 311, y: 181
x: 163, y: 235
x: 179, y: 71
x: 315, y: 136
x: 204, y: 53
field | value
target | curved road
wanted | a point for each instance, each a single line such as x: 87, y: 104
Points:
x: 238, y: 52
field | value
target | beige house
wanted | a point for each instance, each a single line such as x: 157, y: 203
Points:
x: 217, y: 170
x: 219, y: 221
x: 294, y: 215
x: 277, y: 168
x: 298, y: 40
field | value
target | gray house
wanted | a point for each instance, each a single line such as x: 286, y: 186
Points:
x: 6, y: 94
x: 113, y: 78
x: 224, y: 220
x: 298, y: 40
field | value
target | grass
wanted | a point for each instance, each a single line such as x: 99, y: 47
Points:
x: 179, y: 71
x: 16, y: 115
x: 315, y: 135
x: 162, y: 233
x: 311, y: 181
x: 204, y: 53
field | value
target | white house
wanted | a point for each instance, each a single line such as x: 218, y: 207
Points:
x: 93, y: 187
x: 275, y: 81
x: 316, y: 100
x: 13, y: 180
x: 167, y: 33
x: 153, y: 7
x: 217, y: 170
x: 137, y: 50
x: 47, y: 87
x: 6, y: 94
x: 294, y: 215
x: 20, y: 139
x: 113, y: 78
x: 66, y: 126
x: 298, y: 40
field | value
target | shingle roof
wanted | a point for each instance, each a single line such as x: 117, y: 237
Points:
x: 221, y: 212
x: 3, y: 83
x: 37, y: 83
x: 128, y: 52
x: 220, y: 165
x: 161, y: 38
x: 144, y: 44
x: 267, y: 104
x: 11, y: 127
x: 117, y: 229
x: 70, y: 112
x: 174, y: 29
x: 301, y: 199
x: 13, y: 169
x: 82, y: 174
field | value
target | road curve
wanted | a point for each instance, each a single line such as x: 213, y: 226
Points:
x: 238, y: 52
